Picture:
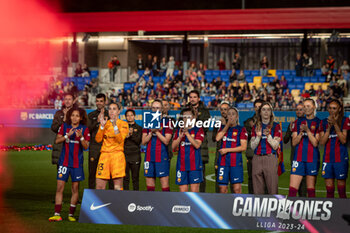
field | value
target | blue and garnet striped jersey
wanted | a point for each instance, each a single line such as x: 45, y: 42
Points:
x: 334, y: 150
x: 156, y: 150
x: 305, y: 151
x: 189, y: 158
x: 72, y: 151
x: 232, y: 139
x: 264, y: 146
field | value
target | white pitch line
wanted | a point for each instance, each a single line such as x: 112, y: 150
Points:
x: 210, y: 178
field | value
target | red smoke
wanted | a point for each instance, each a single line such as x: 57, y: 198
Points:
x: 26, y: 32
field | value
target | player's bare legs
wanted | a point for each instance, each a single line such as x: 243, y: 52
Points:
x: 118, y: 183
x: 223, y: 189
x: 101, y: 183
x: 342, y: 188
x: 183, y: 188
x: 150, y: 181
x: 295, y: 181
x: 310, y: 182
x: 194, y: 188
x: 59, y: 192
x: 164, y: 182
x: 237, y: 188
x: 75, y: 193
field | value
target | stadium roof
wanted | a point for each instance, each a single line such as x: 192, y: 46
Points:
x: 210, y: 20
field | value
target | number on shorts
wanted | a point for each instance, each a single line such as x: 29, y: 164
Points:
x: 146, y: 165
x: 178, y: 174
x: 62, y: 170
x: 221, y: 171
x: 324, y: 166
x: 295, y: 164
x: 100, y: 166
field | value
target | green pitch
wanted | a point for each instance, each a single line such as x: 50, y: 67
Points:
x: 29, y: 199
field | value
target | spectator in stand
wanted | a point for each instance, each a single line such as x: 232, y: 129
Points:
x: 276, y: 83
x: 170, y: 66
x: 236, y: 63
x: 283, y: 83
x: 65, y: 64
x: 329, y: 76
x: 246, y: 87
x: 233, y: 76
x: 247, y: 97
x: 201, y: 71
x: 139, y: 62
x: 343, y: 85
x: 192, y: 68
x: 324, y: 69
x: 298, y: 65
x: 215, y: 102
x: 312, y: 91
x: 239, y: 96
x: 113, y: 65
x: 58, y: 102
x: 221, y: 64
x: 344, y: 67
x: 337, y: 90
x: 319, y: 91
x: 78, y: 71
x: 307, y: 65
x: 332, y: 81
x: 155, y: 66
x: 147, y: 72
x: 305, y: 94
x: 149, y: 62
x: 241, y: 77
x: 264, y: 66
x: 331, y: 62
x: 163, y: 65
x: 86, y: 71
x: 150, y: 83
x: 134, y: 76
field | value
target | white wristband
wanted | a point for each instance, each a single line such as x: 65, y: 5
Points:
x: 101, y: 127
x: 66, y: 136
x: 116, y: 128
x: 82, y: 139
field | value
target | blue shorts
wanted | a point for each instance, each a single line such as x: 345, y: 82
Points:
x: 77, y: 174
x: 189, y: 177
x: 229, y: 174
x: 156, y: 169
x: 337, y: 171
x: 305, y: 168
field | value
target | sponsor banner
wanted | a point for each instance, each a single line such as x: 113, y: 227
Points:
x: 209, y: 210
x: 42, y: 118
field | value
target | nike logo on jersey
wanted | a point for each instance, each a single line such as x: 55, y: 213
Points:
x: 236, y: 179
x: 313, y: 171
x: 92, y: 207
x: 161, y: 173
x: 196, y: 179
x: 78, y: 177
x: 341, y: 175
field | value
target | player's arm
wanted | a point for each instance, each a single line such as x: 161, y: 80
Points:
x: 146, y: 137
x: 313, y: 139
x: 341, y: 133
x: 222, y: 133
x: 241, y: 148
x: 274, y: 141
x: 195, y: 142
x: 84, y: 139
x: 164, y: 139
x: 296, y: 138
x: 324, y: 136
x: 99, y: 134
x: 256, y: 137
x: 121, y: 133
x: 61, y: 138
x: 177, y: 140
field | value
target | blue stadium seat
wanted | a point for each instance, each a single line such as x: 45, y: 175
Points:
x: 225, y: 78
x: 216, y: 73
x: 162, y: 79
x: 140, y: 72
x: 249, y: 79
x: 335, y: 71
x: 209, y: 72
x: 249, y: 105
x: 293, y: 72
x: 241, y: 105
x: 286, y: 72
x: 207, y: 99
x: 300, y: 86
x: 297, y: 79
x: 146, y: 77
x: 318, y: 72
x: 156, y: 79
x: 279, y: 72
x: 292, y: 86
x: 255, y: 73
x: 314, y: 79
x: 265, y: 79
x: 94, y: 73
x: 306, y: 79
x: 209, y: 78
x: 272, y: 78
x: 225, y: 72
x: 176, y: 72
x: 247, y: 72
x: 80, y: 86
x: 289, y: 79
x: 127, y: 86
x: 133, y: 84
x: 321, y: 79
